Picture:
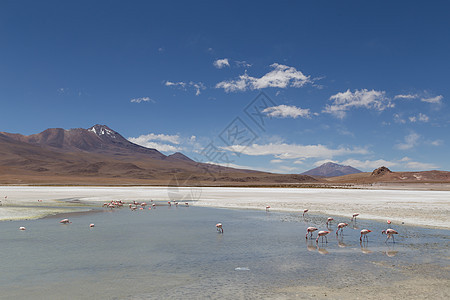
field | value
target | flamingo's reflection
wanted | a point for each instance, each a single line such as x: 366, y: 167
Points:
x: 364, y: 248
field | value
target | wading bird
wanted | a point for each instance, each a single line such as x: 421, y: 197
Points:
x: 267, y: 207
x: 310, y: 231
x: 219, y: 227
x: 354, y: 217
x: 364, y: 233
x: 322, y: 233
x: 22, y: 228
x: 341, y: 227
x: 390, y: 233
x: 91, y: 225
x: 305, y: 211
x: 329, y: 220
x: 65, y: 221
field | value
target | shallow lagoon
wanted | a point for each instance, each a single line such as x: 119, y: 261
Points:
x: 176, y: 253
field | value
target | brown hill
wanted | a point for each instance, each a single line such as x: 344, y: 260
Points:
x: 100, y: 155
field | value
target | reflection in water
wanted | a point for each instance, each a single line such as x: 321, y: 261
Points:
x: 341, y: 243
x: 311, y: 246
x: 322, y: 251
x: 391, y: 252
x: 364, y: 248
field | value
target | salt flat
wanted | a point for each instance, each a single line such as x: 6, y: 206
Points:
x: 420, y: 208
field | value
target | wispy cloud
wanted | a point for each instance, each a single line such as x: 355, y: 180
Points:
x: 142, y: 99
x: 286, y: 111
x: 197, y: 86
x: 342, y: 102
x: 404, y: 163
x: 150, y: 141
x: 437, y: 142
x: 242, y: 63
x: 406, y: 96
x: 221, y: 63
x: 293, y: 151
x: 410, y: 141
x: 281, y: 76
x: 419, y: 118
x: 434, y: 100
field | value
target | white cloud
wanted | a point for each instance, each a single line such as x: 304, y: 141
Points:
x: 281, y: 77
x: 418, y: 166
x: 404, y: 163
x: 410, y: 141
x: 420, y: 118
x: 293, y: 151
x: 286, y: 111
x: 221, y: 63
x: 174, y: 139
x: 148, y: 141
x: 276, y: 161
x: 197, y: 86
x: 142, y: 99
x: 369, y: 164
x: 242, y: 64
x: 407, y: 96
x: 398, y: 119
x: 342, y: 102
x: 437, y: 142
x: 435, y: 100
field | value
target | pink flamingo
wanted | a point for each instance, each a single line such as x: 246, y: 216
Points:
x: 341, y: 227
x: 65, y: 221
x: 329, y: 220
x: 22, y: 228
x: 153, y: 205
x: 143, y: 204
x: 310, y: 231
x: 168, y: 202
x: 322, y: 233
x: 176, y: 204
x: 354, y: 217
x: 186, y: 203
x: 219, y: 227
x: 364, y: 233
x: 267, y: 207
x: 389, y: 222
x: 305, y: 211
x: 390, y: 233
x: 91, y: 225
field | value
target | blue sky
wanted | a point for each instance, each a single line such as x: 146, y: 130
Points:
x: 359, y: 83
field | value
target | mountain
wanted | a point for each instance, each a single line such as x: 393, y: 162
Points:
x: 97, y: 139
x: 330, y: 169
x: 100, y: 155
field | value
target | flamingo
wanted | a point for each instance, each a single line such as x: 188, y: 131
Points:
x: 219, y: 227
x: 329, y: 220
x: 22, y: 228
x: 176, y: 204
x: 65, y: 221
x: 154, y: 205
x: 187, y: 203
x: 341, y: 227
x: 267, y: 207
x: 168, y: 202
x: 354, y: 217
x: 364, y: 232
x: 91, y: 225
x: 390, y: 233
x: 305, y: 211
x: 143, y: 204
x: 389, y: 222
x: 310, y: 231
x: 322, y: 233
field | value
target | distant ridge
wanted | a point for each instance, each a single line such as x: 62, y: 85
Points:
x: 330, y: 169
x: 100, y: 155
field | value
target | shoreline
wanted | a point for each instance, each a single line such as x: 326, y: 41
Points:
x: 428, y: 209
